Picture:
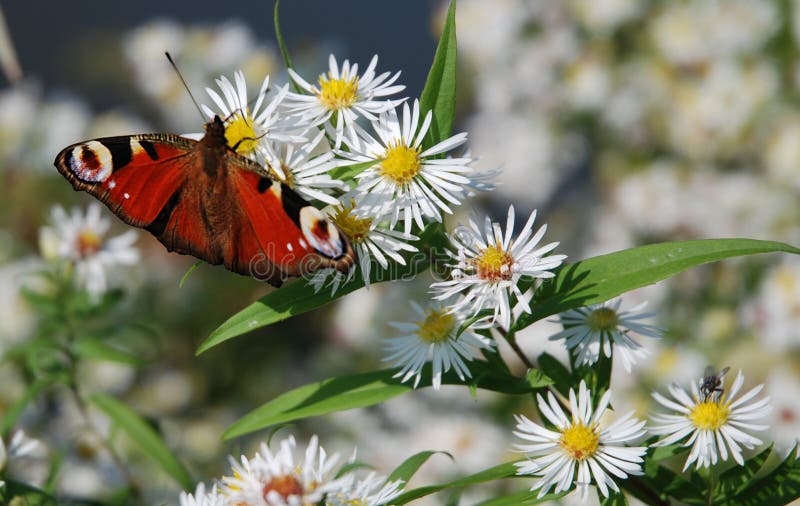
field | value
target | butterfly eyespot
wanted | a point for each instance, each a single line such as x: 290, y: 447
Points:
x: 91, y: 162
x: 320, y: 233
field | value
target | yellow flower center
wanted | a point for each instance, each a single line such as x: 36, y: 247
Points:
x: 579, y: 441
x: 356, y: 229
x: 603, y: 319
x: 88, y: 243
x: 241, y: 135
x: 437, y: 326
x: 400, y: 163
x: 337, y: 94
x: 286, y: 486
x: 709, y: 415
x: 494, y: 264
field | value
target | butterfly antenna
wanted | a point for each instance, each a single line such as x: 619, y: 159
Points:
x: 183, y: 81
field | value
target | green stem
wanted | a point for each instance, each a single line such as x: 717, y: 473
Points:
x: 511, y: 338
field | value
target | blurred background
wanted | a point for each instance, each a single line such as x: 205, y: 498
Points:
x: 623, y: 121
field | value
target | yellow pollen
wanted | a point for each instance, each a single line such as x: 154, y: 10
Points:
x: 494, y: 264
x: 579, y: 441
x: 603, y: 319
x: 241, y: 135
x: 88, y: 243
x: 437, y: 326
x: 337, y: 94
x: 356, y: 229
x: 400, y: 163
x: 710, y: 415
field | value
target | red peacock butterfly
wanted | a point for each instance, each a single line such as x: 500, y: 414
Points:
x: 201, y: 198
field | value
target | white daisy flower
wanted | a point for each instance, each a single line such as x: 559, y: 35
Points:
x: 250, y: 132
x: 306, y: 171
x: 490, y: 264
x: 280, y: 478
x: 584, y: 441
x: 345, y: 94
x: 79, y: 239
x: 406, y: 182
x: 712, y: 421
x: 433, y: 339
x: 370, y: 238
x: 588, y: 330
x: 372, y: 490
x: 202, y: 498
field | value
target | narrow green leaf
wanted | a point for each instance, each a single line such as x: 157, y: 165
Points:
x: 439, y: 93
x: 189, y: 271
x: 523, y: 498
x: 663, y: 482
x: 143, y: 434
x: 411, y: 465
x: 537, y: 379
x: 738, y: 478
x: 299, y: 297
x: 348, y: 172
x: 664, y: 452
x: 614, y: 499
x: 604, y: 277
x: 499, y: 472
x: 95, y: 349
x: 358, y: 391
x: 16, y: 492
x: 781, y: 486
x: 16, y: 409
x: 287, y: 59
x: 557, y: 372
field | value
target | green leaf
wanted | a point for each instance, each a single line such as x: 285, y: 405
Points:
x: 15, y: 411
x: 95, y: 349
x: 299, y: 297
x: 348, y: 172
x: 411, y: 465
x: 663, y: 482
x: 287, y: 59
x: 781, y: 486
x: 557, y: 372
x: 604, y: 277
x: 16, y: 492
x: 525, y: 497
x: 665, y: 452
x: 738, y: 478
x: 537, y: 379
x: 614, y: 499
x: 358, y: 391
x: 189, y: 271
x: 143, y: 434
x: 506, y: 470
x: 439, y: 93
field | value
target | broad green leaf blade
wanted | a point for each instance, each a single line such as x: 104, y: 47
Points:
x: 411, y: 465
x: 143, y: 434
x: 299, y: 297
x: 557, y: 372
x: 96, y: 349
x: 537, y: 379
x: 738, y: 478
x: 604, y: 277
x: 614, y: 499
x: 781, y: 486
x: 506, y: 470
x: 358, y: 391
x: 17, y: 492
x: 439, y: 93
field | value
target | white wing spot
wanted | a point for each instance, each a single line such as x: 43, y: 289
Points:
x: 289, y: 246
x: 112, y: 184
x: 127, y: 195
x: 303, y: 244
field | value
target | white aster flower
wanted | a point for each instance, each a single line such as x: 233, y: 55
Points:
x: 588, y: 330
x: 490, y: 265
x: 280, y: 478
x: 202, y: 498
x: 370, y: 238
x: 372, y: 490
x: 715, y: 424
x: 306, y: 171
x: 79, y: 239
x: 250, y: 132
x: 584, y: 441
x: 433, y: 339
x: 406, y: 182
x: 345, y: 94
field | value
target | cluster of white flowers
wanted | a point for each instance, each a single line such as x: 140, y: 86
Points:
x: 284, y: 478
x: 711, y: 420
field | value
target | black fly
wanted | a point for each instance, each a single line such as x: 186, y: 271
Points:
x: 711, y: 384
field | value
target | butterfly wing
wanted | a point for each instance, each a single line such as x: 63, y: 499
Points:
x: 202, y: 199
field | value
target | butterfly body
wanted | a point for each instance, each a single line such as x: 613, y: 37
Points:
x: 203, y: 199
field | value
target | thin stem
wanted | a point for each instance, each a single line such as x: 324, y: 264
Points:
x: 511, y: 338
